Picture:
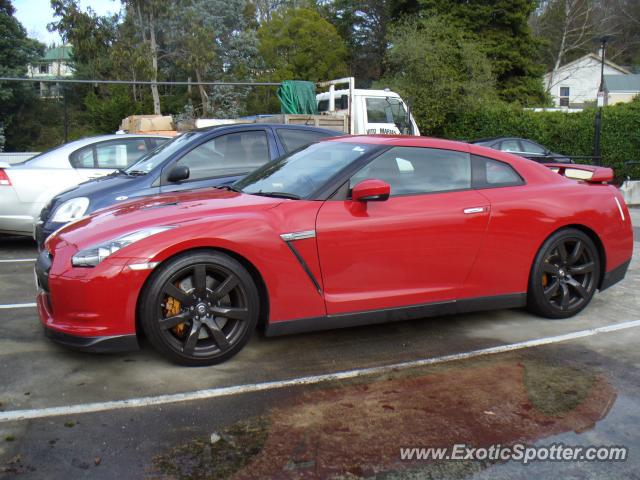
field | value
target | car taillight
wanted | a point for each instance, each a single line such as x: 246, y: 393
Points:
x: 4, y: 178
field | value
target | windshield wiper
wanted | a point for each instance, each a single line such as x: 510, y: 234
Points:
x: 291, y: 196
x: 229, y: 187
x: 136, y: 173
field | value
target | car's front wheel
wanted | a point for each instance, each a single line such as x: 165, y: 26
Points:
x: 199, y: 308
x: 565, y: 275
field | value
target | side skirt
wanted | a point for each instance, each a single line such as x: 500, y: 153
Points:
x: 369, y: 317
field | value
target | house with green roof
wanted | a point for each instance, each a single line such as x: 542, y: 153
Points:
x: 621, y: 88
x: 56, y: 63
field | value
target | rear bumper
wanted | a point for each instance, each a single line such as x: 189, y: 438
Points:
x: 614, y: 276
x: 16, y: 224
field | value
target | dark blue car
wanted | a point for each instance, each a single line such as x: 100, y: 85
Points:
x: 200, y: 158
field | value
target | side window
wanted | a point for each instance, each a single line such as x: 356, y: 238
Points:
x: 155, y: 142
x: 226, y: 155
x: 120, y: 153
x: 531, y: 147
x: 489, y: 173
x: 510, y: 146
x: 413, y: 170
x: 292, y: 139
x: 83, y: 158
x: 376, y: 111
x: 385, y: 110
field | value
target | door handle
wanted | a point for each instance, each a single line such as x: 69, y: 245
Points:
x: 469, y: 211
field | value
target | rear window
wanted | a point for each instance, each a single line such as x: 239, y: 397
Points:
x: 488, y: 173
x: 293, y: 139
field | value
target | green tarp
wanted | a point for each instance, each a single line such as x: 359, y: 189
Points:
x: 297, y: 96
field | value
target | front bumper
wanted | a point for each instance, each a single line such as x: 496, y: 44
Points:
x: 112, y: 344
x: 92, y: 309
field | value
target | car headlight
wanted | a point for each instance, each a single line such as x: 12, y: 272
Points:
x: 70, y: 210
x: 90, y: 257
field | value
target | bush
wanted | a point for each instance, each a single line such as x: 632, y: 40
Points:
x: 566, y: 133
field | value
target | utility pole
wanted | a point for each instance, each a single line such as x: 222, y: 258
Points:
x: 600, y: 101
x: 66, y: 113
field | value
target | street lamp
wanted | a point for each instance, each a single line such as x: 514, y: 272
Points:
x: 600, y: 100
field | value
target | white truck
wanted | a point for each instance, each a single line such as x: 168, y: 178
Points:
x: 349, y: 110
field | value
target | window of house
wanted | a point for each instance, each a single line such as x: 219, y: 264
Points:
x: 43, y: 68
x: 413, y: 170
x: 564, y: 96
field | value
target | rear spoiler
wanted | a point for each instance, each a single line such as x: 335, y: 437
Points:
x: 587, y: 173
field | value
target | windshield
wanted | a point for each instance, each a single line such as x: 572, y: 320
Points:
x: 303, y: 172
x: 154, y: 158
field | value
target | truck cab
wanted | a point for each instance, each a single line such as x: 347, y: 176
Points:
x: 371, y: 111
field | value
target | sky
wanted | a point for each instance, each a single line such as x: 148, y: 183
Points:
x: 36, y: 14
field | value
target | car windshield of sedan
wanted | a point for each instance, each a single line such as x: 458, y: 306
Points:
x: 160, y: 154
x: 303, y: 172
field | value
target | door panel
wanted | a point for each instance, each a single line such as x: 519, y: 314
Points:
x: 407, y: 250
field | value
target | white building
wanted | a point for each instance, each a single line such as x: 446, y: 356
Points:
x: 56, y: 63
x: 576, y: 84
x: 621, y: 88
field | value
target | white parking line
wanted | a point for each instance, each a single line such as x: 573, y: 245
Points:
x: 18, y: 305
x: 14, y: 415
x: 17, y: 260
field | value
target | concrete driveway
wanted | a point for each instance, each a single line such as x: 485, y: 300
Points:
x: 336, y: 404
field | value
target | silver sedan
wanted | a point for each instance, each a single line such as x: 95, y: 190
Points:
x: 26, y: 187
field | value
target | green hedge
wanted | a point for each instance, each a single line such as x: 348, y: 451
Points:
x: 565, y: 133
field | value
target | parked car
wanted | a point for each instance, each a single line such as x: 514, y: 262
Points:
x: 347, y: 231
x: 200, y: 158
x: 523, y: 147
x: 26, y: 187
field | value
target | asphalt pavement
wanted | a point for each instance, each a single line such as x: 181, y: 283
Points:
x: 277, y: 410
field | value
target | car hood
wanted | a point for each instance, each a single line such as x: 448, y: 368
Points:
x: 116, y: 183
x: 158, y: 210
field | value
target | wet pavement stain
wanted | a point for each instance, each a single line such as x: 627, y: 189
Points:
x: 356, y: 430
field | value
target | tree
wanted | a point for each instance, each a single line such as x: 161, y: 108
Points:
x: 216, y: 46
x: 16, y: 52
x: 363, y: 24
x: 500, y: 28
x: 299, y: 44
x: 92, y: 37
x: 149, y: 17
x: 439, y: 68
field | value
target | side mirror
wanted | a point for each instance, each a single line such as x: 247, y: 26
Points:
x: 178, y: 173
x: 371, y: 191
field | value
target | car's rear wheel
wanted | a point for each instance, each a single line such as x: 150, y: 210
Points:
x: 565, y: 275
x: 199, y: 308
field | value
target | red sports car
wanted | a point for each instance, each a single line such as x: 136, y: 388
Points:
x: 348, y: 231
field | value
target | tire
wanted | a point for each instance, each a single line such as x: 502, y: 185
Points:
x: 199, y: 308
x: 564, y: 276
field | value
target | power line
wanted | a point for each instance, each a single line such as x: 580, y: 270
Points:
x: 138, y: 82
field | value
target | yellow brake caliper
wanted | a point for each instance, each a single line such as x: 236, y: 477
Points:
x: 172, y: 308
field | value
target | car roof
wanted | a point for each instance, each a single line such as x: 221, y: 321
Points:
x: 240, y: 126
x: 496, y: 139
x: 402, y: 141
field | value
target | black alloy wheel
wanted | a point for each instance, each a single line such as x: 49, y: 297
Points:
x: 200, y: 308
x: 565, y: 275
